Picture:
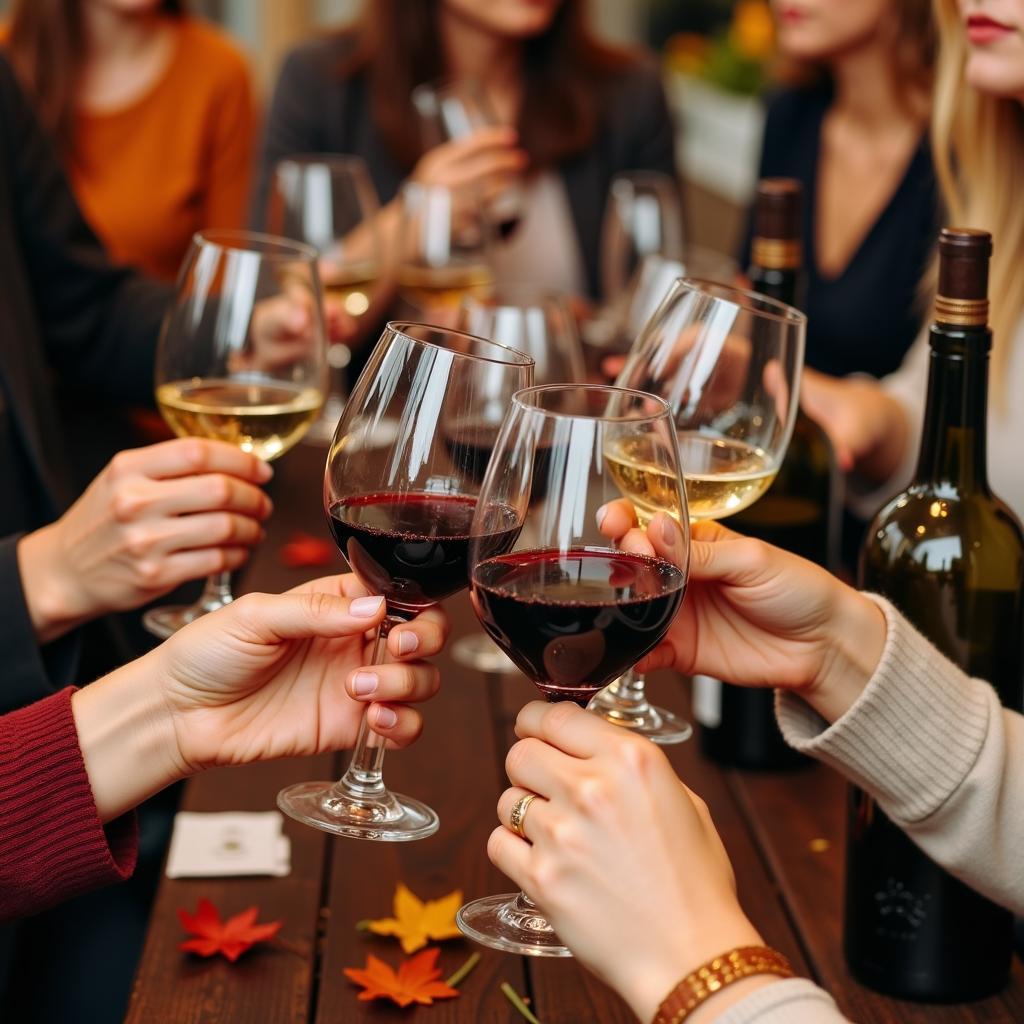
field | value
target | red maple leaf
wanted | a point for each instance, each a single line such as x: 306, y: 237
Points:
x: 415, y: 982
x: 303, y: 550
x: 230, y: 938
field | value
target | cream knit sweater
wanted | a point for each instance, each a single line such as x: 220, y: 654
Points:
x: 944, y: 760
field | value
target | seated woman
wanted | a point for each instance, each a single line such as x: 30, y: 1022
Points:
x: 977, y: 138
x: 265, y: 677
x: 852, y: 129
x: 861, y: 690
x: 152, y: 110
x: 576, y: 113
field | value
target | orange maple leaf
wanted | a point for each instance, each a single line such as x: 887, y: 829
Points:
x: 417, y: 922
x: 230, y: 938
x: 415, y: 982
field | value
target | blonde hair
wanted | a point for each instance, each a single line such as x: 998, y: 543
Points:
x: 978, y: 149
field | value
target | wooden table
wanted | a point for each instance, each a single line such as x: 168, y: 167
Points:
x: 784, y: 833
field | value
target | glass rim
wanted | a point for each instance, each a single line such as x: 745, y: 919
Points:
x: 747, y: 298
x: 518, y: 399
x: 403, y: 327
x: 258, y: 243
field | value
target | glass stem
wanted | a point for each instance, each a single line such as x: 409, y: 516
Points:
x: 216, y: 592
x: 628, y: 689
x: 364, y: 777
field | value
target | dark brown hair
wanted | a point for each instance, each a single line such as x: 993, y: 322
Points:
x: 913, y: 43
x: 398, y: 45
x: 46, y: 45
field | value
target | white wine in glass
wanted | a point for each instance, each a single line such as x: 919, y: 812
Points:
x: 241, y: 359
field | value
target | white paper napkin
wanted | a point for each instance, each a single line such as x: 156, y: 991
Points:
x: 228, y: 843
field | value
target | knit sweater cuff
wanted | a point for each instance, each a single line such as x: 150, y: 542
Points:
x: 793, y: 1001
x: 52, y: 843
x: 896, y: 741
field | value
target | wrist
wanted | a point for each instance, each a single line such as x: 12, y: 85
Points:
x: 55, y: 604
x: 681, y: 954
x: 127, y: 737
x: 852, y: 658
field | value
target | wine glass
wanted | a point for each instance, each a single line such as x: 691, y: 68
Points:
x: 568, y: 607
x: 400, y: 491
x: 451, y: 109
x: 330, y: 203
x: 240, y: 358
x: 540, y: 324
x: 728, y: 363
x: 444, y: 249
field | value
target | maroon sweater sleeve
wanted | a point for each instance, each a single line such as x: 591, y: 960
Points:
x: 52, y: 843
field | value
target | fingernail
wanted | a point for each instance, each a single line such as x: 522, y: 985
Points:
x: 364, y: 683
x: 266, y: 472
x: 601, y: 513
x: 366, y: 607
x: 668, y: 531
x: 408, y: 641
x: 386, y: 718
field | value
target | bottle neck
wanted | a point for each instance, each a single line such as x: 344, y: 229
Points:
x: 953, y: 444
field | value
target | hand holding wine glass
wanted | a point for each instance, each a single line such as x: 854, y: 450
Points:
x: 728, y: 363
x: 240, y: 359
x: 572, y: 611
x: 402, y: 497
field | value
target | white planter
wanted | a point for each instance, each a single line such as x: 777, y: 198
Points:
x: 719, y: 141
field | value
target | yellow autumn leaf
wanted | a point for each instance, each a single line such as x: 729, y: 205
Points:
x: 416, y: 923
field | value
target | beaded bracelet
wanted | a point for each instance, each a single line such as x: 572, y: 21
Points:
x: 713, y: 976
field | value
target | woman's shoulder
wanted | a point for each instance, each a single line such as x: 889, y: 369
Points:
x: 205, y: 42
x: 789, y: 106
x: 328, y: 59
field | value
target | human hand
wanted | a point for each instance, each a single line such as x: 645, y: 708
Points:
x: 866, y: 426
x: 759, y: 616
x: 153, y: 518
x: 267, y: 676
x: 621, y: 857
x: 484, y: 164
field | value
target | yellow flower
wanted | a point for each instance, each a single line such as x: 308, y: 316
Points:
x: 752, y: 32
x: 415, y: 923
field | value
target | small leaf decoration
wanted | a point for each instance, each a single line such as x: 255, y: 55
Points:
x: 416, y: 980
x: 303, y: 550
x: 230, y: 938
x: 416, y: 923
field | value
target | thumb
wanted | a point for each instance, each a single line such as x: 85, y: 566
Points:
x: 271, y: 618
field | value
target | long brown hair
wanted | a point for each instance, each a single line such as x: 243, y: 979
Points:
x: 398, y: 45
x: 912, y: 40
x: 47, y: 48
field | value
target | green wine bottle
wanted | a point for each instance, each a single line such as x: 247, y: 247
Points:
x: 801, y: 511
x: 950, y: 555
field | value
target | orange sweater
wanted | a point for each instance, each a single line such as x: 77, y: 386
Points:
x: 173, y: 161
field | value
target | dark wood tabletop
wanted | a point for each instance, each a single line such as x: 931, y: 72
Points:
x: 784, y: 833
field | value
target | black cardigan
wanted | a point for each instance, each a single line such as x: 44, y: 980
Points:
x: 316, y: 110
x: 65, y: 313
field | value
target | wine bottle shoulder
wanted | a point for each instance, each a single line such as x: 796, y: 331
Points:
x: 931, y: 530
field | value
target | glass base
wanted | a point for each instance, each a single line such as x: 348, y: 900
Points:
x: 391, y: 818
x: 479, y: 651
x: 657, y: 724
x: 509, y: 923
x: 166, y: 621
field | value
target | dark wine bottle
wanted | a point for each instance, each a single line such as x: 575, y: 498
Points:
x: 950, y: 556
x: 800, y: 512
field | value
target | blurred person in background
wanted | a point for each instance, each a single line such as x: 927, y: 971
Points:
x: 852, y: 127
x: 978, y: 149
x: 152, y: 110
x: 573, y: 113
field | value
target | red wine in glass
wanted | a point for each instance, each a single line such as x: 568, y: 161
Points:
x: 575, y: 620
x: 414, y: 547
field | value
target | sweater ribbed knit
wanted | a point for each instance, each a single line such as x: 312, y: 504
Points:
x: 52, y: 843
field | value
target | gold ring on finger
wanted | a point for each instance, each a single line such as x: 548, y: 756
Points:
x: 518, y: 816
